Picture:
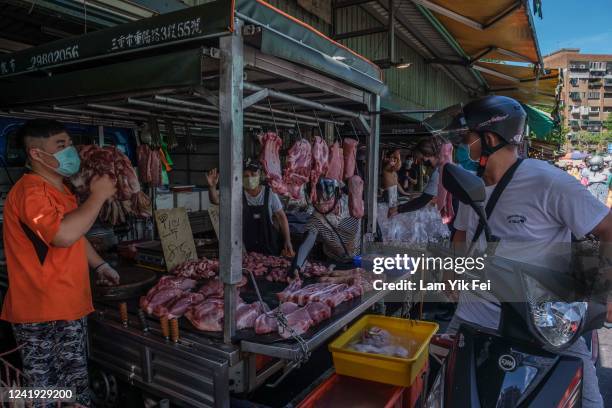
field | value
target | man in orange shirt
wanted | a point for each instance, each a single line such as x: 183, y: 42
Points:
x: 48, y: 260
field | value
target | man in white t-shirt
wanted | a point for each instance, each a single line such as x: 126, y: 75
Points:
x: 265, y: 227
x: 534, y: 216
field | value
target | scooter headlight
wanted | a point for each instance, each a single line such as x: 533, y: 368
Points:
x: 556, y: 322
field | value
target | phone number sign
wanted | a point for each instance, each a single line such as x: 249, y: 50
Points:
x: 208, y: 20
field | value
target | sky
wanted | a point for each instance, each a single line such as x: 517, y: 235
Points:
x: 584, y: 24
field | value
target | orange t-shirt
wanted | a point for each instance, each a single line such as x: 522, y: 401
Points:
x: 46, y: 283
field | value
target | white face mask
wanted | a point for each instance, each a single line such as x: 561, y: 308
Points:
x: 250, y: 183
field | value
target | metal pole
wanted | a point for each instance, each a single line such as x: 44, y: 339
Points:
x: 299, y: 101
x: 230, y: 174
x: 391, y: 43
x: 372, y: 171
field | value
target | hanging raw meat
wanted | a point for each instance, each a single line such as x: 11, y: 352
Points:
x: 297, y: 168
x: 335, y: 168
x: 270, y: 145
x: 444, y: 199
x: 320, y: 156
x: 349, y: 147
x: 129, y: 200
x: 149, y: 165
x: 356, y: 206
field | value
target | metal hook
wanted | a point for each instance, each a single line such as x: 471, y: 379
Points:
x: 318, y: 124
x: 339, y: 138
x: 354, y: 130
x: 297, y: 122
x: 273, y: 118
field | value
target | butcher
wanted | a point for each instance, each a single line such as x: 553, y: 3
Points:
x: 332, y: 225
x: 48, y: 260
x: 265, y: 228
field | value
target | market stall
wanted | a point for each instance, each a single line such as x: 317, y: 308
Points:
x: 217, y: 68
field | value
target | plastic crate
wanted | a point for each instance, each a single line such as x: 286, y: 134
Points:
x: 378, y: 367
x: 341, y: 391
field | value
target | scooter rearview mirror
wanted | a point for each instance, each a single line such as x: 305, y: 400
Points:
x: 462, y: 184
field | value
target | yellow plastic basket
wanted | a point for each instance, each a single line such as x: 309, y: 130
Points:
x: 378, y: 367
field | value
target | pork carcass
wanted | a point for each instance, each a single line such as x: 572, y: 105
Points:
x: 247, y: 314
x: 214, y: 287
x: 298, y: 323
x: 268, y: 323
x: 207, y: 315
x: 129, y: 200
x: 320, y: 156
x: 356, y: 206
x: 289, y: 291
x: 149, y: 165
x: 297, y: 168
x: 335, y: 167
x: 159, y: 298
x: 202, y: 268
x: 270, y: 145
x: 349, y: 147
x: 178, y: 307
x: 318, y: 311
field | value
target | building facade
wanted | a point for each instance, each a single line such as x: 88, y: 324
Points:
x: 587, y: 88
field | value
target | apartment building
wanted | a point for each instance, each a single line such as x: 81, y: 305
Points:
x: 587, y: 88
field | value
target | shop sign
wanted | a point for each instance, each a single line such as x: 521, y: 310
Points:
x: 208, y: 20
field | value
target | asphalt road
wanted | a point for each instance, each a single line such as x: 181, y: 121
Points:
x: 604, y: 371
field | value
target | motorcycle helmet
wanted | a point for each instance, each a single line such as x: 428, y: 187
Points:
x: 497, y: 114
x: 327, y: 189
x: 596, y: 163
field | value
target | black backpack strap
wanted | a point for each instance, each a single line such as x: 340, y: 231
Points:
x: 497, y: 192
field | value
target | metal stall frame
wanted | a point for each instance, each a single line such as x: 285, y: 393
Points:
x: 163, y: 77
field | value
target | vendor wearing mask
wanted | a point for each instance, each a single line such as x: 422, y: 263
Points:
x: 332, y: 225
x: 427, y: 154
x: 265, y: 228
x: 464, y: 153
x: 48, y: 259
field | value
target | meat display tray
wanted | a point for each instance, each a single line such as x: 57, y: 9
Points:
x: 272, y: 344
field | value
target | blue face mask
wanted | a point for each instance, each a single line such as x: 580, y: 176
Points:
x: 69, y: 161
x: 464, y: 159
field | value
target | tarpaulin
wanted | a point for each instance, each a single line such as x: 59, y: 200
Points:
x: 540, y: 123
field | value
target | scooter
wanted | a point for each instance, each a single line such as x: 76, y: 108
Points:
x: 542, y: 313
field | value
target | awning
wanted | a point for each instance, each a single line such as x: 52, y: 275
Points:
x: 540, y: 123
x: 286, y: 37
x: 496, y: 29
x: 521, y: 83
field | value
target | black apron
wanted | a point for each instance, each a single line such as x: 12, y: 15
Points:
x: 258, y: 232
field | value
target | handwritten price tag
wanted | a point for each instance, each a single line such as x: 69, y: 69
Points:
x: 175, y: 236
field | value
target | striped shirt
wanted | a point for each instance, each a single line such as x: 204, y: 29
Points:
x: 348, y: 228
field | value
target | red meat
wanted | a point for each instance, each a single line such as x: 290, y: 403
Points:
x: 335, y: 168
x: 268, y: 157
x: 320, y: 155
x: 299, y: 321
x: 178, y: 308
x: 267, y: 323
x: 247, y: 314
x: 207, y: 315
x: 356, y: 206
x: 297, y: 169
x: 318, y: 311
x: 349, y: 147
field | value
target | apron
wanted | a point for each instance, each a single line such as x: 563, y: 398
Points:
x: 258, y: 233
